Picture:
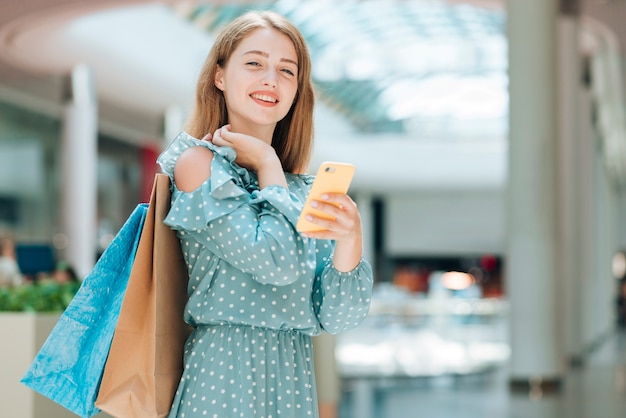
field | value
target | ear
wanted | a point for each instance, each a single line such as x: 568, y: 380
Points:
x: 219, y: 78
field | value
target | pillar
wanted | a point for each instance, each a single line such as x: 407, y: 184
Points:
x: 600, y: 110
x: 79, y: 156
x: 570, y: 194
x: 531, y: 269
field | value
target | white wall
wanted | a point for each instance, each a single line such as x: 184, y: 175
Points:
x: 445, y: 223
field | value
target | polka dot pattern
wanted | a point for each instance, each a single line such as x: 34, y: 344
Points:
x: 257, y: 291
x: 241, y: 371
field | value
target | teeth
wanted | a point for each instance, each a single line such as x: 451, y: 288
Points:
x: 264, y: 98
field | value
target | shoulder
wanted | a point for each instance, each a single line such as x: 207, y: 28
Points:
x: 301, y: 181
x: 299, y: 184
x: 193, y: 168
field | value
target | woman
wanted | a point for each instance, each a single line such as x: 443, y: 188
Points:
x: 258, y: 289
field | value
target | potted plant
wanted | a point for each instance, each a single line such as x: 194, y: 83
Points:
x: 28, y: 313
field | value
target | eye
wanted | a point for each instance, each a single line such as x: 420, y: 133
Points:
x: 288, y: 71
x: 253, y: 63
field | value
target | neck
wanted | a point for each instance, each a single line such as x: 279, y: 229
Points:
x: 263, y: 132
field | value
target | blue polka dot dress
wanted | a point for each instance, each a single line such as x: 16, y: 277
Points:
x: 257, y: 292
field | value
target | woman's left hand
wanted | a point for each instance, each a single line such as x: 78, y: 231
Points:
x: 344, y: 222
x: 344, y: 227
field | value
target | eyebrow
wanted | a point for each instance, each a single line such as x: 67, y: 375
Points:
x: 266, y: 55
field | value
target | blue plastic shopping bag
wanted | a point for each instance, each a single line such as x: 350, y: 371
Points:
x: 69, y: 366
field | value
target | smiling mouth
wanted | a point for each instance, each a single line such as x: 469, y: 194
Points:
x: 264, y: 98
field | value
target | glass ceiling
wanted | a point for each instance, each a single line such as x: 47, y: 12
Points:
x: 424, y: 68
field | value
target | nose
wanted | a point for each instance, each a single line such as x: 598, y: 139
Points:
x: 269, y: 79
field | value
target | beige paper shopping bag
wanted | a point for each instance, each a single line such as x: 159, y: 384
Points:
x: 145, y: 362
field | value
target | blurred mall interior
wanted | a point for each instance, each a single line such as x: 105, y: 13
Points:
x: 489, y: 138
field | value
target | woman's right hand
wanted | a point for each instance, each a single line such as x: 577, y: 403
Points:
x: 253, y: 154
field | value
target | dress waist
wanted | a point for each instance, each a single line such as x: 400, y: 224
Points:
x: 246, y: 328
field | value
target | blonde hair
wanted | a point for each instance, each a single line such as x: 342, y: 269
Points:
x: 293, y: 135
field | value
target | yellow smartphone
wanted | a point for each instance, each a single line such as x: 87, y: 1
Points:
x: 331, y: 177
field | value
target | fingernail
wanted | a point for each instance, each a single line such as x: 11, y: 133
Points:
x: 314, y: 203
x: 324, y: 196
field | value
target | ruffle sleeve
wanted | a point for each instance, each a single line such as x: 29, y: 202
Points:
x: 223, y: 193
x: 253, y: 230
x: 276, y: 198
x: 342, y: 299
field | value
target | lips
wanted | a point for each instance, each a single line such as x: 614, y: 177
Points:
x: 267, y: 98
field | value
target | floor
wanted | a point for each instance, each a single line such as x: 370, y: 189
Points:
x: 595, y: 390
x: 453, y: 355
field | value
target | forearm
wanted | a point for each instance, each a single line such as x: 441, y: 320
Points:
x: 342, y: 299
x: 270, y: 172
x: 348, y: 254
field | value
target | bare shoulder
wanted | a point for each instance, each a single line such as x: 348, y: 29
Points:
x: 193, y: 168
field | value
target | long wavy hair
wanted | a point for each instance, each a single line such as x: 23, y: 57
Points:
x: 293, y: 135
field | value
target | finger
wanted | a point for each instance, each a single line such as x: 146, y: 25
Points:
x: 338, y: 199
x: 224, y: 130
x: 333, y: 208
x: 226, y: 134
x: 207, y: 137
x: 217, y: 137
x: 326, y: 223
x: 328, y: 230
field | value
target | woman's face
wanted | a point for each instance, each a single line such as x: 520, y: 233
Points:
x: 259, y: 80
